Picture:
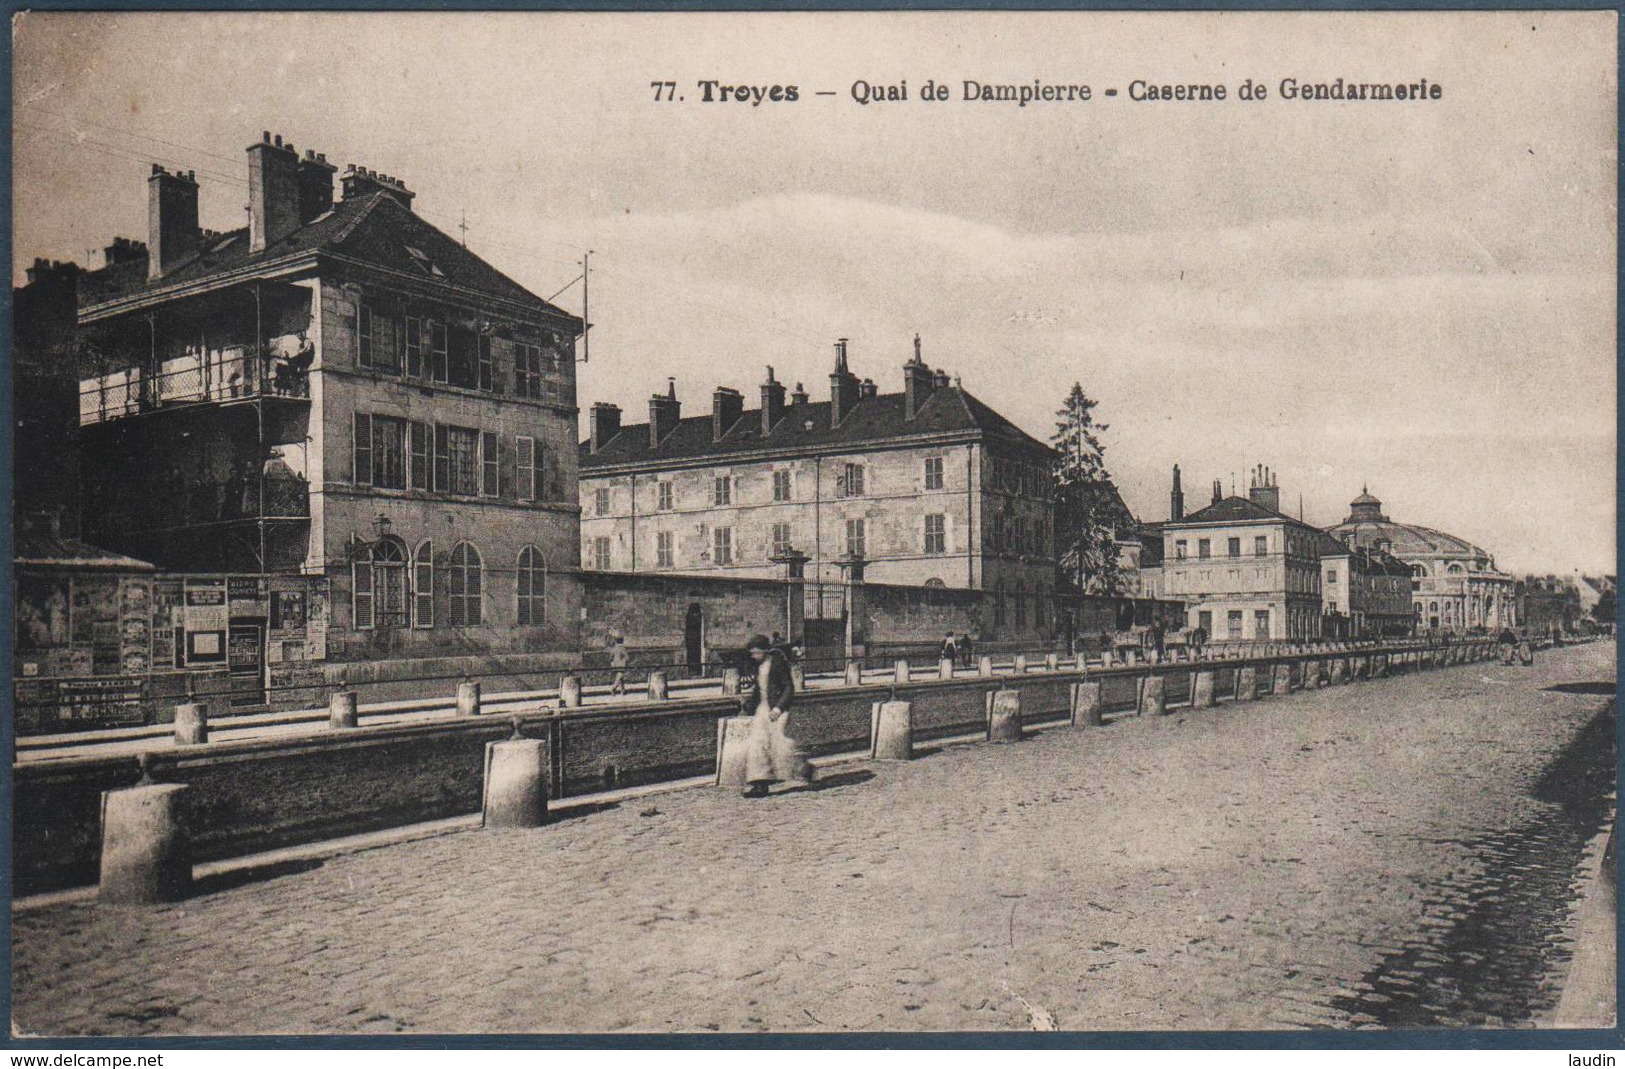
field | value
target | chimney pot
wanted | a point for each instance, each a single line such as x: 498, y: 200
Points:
x: 172, y: 228
x: 772, y: 403
x: 727, y: 406
x: 273, y: 194
x: 605, y: 425
x: 844, y: 389
x: 664, y: 414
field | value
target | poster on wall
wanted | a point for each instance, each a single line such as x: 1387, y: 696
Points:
x: 168, y: 623
x: 135, y: 625
x: 204, y: 621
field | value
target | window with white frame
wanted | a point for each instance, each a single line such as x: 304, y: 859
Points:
x: 600, y: 553
x: 663, y: 496
x: 663, y: 550
x: 600, y: 501
x: 722, y: 545
x: 856, y: 542
x: 852, y: 481
x: 378, y: 586
x: 936, y: 533
x: 721, y: 490
x: 528, y: 468
x: 781, y: 539
x: 527, y: 370
x: 466, y: 584
x: 933, y: 473
x: 781, y: 485
x: 531, y: 587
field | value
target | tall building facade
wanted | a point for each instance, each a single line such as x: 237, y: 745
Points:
x: 1245, y: 570
x: 927, y: 487
x: 337, y: 389
x: 1455, y: 585
x: 1365, y: 593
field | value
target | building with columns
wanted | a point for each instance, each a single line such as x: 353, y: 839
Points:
x: 1455, y: 585
x: 927, y: 487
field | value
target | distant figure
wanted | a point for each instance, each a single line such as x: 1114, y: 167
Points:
x: 1526, y: 649
x: 617, y: 661
x: 964, y: 648
x: 1507, y: 642
x: 1157, y: 639
x: 1198, y: 639
x: 772, y: 755
x: 950, y: 649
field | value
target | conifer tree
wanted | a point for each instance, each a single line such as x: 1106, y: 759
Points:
x: 1088, y: 510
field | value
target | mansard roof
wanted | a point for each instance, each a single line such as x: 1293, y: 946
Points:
x: 950, y: 410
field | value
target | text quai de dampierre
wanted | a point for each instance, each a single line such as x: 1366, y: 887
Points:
x: 1038, y: 91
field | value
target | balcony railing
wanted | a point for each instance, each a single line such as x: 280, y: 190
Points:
x: 222, y: 375
x: 161, y: 506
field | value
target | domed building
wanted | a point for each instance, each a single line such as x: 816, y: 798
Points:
x: 1455, y: 585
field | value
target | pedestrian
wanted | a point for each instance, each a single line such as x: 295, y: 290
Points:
x: 1526, y: 649
x: 1508, y: 643
x: 617, y: 661
x: 771, y: 753
x: 950, y: 649
x: 964, y: 648
x: 1157, y: 639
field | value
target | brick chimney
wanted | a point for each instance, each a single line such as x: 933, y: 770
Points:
x: 1218, y: 491
x: 606, y: 424
x: 727, y: 405
x: 843, y: 387
x: 123, y: 250
x: 1264, y: 490
x: 172, y: 231
x: 273, y: 192
x: 664, y: 414
x: 867, y: 389
x: 918, y: 382
x: 772, y: 403
x: 315, y: 185
x: 1176, y: 499
x: 798, y: 397
x: 360, y: 182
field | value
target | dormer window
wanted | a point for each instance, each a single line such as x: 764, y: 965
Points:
x: 421, y: 260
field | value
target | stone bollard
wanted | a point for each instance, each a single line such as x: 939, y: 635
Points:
x: 1131, y: 657
x: 1246, y: 683
x: 516, y: 783
x: 1080, y: 663
x: 1283, y: 679
x: 191, y: 724
x: 733, y: 734
x: 798, y: 677
x: 341, y: 712
x: 891, y: 731
x: 1105, y: 658
x: 1358, y: 669
x: 984, y: 667
x: 1153, y: 696
x: 1086, y: 705
x: 1311, y: 675
x: 902, y: 672
x: 570, y: 692
x: 854, y: 674
x: 146, y: 851
x: 1052, y: 663
x: 945, y: 669
x: 1020, y: 668
x: 1340, y: 671
x: 1379, y: 666
x: 730, y: 681
x: 659, y: 687
x: 1004, y: 716
x: 1202, y: 690
x: 468, y: 698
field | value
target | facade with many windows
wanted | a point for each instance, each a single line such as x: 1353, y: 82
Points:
x: 339, y: 390
x: 929, y: 487
x: 1245, y: 570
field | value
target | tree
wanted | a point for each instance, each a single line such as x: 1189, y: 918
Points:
x: 1088, y: 509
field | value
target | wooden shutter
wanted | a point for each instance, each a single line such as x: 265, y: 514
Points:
x: 490, y: 468
x: 361, y: 595
x: 363, y: 449
x: 442, y: 458
x: 525, y: 468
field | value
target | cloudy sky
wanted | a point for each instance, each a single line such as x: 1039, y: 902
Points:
x: 1418, y: 296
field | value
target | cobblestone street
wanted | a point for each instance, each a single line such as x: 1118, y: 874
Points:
x: 1320, y: 860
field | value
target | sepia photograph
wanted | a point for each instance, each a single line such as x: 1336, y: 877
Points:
x: 825, y: 524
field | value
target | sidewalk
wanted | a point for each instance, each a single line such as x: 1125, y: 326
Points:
x: 1238, y: 868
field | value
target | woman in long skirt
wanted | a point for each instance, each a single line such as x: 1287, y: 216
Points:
x: 771, y: 753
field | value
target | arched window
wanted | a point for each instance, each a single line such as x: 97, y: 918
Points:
x: 935, y: 584
x: 1433, y: 606
x: 532, y: 587
x: 423, y: 585
x: 1419, y: 569
x: 466, y: 584
x: 1021, y: 604
x: 1454, y: 569
x: 378, y: 586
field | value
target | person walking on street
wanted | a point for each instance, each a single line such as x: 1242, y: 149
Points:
x: 617, y: 661
x: 1526, y: 648
x: 1508, y: 643
x: 964, y: 649
x: 950, y: 649
x: 771, y: 753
